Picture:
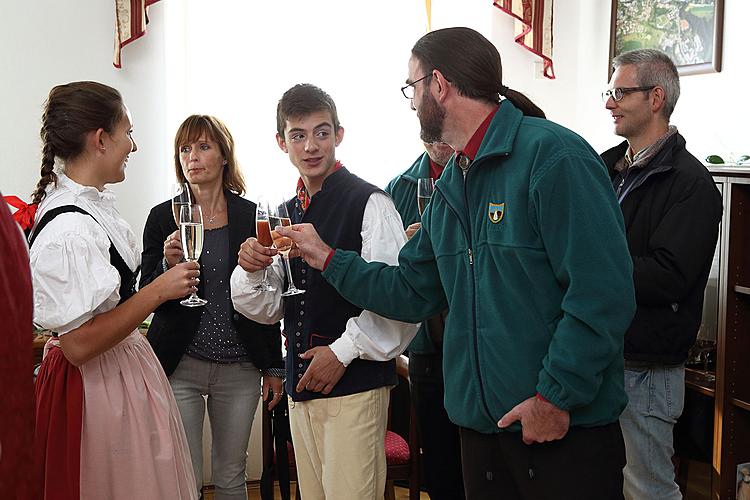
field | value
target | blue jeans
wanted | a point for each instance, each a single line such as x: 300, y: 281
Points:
x: 233, y: 392
x: 656, y: 398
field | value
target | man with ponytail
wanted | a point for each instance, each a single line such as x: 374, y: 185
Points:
x: 523, y: 243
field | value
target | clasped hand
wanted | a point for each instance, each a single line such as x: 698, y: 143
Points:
x: 324, y: 372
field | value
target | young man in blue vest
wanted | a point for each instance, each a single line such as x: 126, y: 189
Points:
x: 339, y: 363
x: 523, y: 242
x: 438, y: 436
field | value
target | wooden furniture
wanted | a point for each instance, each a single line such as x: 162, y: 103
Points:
x: 403, y: 464
x: 731, y: 388
x: 270, y: 465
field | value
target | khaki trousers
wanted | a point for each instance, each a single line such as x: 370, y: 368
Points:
x: 339, y: 445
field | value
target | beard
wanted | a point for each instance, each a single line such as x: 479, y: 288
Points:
x: 431, y: 118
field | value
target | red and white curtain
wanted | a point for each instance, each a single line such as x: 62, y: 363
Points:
x: 130, y: 24
x: 533, y: 27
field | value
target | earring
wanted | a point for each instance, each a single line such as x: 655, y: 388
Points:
x: 225, y: 162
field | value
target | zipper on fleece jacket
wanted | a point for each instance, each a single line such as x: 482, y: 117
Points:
x: 465, y: 172
x: 467, y: 235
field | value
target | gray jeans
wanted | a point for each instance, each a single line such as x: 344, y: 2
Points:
x: 232, y: 391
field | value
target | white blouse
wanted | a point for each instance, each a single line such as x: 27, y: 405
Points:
x: 367, y: 336
x: 71, y: 273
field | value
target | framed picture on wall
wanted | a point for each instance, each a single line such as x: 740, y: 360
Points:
x: 743, y: 481
x: 689, y: 31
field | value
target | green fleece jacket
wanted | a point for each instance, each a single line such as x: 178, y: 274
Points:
x: 529, y: 251
x: 403, y: 190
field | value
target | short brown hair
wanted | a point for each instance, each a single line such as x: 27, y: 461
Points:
x: 212, y: 128
x: 302, y: 100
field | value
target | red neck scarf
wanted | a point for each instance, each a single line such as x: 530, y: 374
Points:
x: 302, y: 196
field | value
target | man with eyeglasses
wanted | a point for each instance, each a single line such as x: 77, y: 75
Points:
x: 672, y: 211
x: 523, y: 243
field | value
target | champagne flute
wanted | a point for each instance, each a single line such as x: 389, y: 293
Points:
x: 425, y: 188
x: 263, y: 235
x: 191, y: 234
x: 279, y: 216
x: 180, y: 198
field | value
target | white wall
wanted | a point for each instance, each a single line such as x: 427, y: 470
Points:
x: 49, y: 43
x: 234, y: 60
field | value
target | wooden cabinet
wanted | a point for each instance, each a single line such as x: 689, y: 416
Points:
x: 731, y: 388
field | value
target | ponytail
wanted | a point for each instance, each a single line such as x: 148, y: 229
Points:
x: 472, y: 64
x: 523, y: 103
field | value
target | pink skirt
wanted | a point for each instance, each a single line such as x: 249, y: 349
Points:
x: 133, y: 444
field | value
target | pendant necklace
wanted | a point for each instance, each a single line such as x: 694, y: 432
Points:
x: 212, y: 217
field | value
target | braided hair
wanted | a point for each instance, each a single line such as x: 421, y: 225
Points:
x: 70, y: 112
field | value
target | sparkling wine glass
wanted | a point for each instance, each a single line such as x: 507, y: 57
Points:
x: 263, y: 235
x: 180, y: 198
x: 425, y: 188
x: 279, y: 216
x: 191, y: 234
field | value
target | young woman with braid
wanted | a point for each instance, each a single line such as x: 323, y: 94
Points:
x: 107, y: 425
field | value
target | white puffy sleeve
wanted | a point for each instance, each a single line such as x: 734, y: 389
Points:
x: 71, y: 273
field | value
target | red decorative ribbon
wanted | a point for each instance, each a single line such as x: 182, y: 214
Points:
x: 24, y: 216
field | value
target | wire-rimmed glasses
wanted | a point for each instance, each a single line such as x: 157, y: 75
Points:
x: 618, y: 93
x: 408, y: 89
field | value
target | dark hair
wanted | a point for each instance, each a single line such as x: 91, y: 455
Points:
x: 653, y: 67
x: 70, y: 112
x: 301, y: 100
x: 472, y: 64
x: 212, y: 128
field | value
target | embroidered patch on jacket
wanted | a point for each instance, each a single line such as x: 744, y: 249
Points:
x: 496, y: 211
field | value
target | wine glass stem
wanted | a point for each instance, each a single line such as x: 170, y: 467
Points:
x: 289, y: 272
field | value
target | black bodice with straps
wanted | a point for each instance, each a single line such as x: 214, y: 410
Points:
x: 127, y: 277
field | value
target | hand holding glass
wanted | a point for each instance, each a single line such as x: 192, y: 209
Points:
x: 425, y: 188
x: 191, y: 234
x: 279, y: 216
x: 263, y: 235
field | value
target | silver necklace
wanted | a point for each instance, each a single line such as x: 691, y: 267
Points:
x: 212, y: 217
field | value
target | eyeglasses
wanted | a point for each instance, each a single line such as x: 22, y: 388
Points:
x: 408, y: 89
x: 618, y: 93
